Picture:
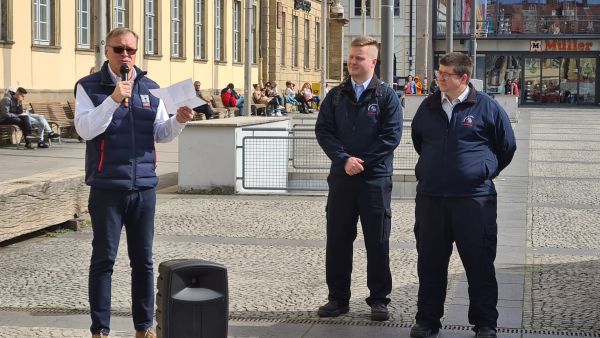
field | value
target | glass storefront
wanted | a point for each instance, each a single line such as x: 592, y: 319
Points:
x: 509, y: 17
x: 560, y: 80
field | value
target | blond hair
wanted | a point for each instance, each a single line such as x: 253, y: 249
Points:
x: 363, y: 40
x: 120, y: 31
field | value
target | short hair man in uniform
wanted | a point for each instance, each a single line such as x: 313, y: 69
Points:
x: 359, y: 126
x: 464, y: 139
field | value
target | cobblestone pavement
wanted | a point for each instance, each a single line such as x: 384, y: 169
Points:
x: 35, y: 332
x: 276, y: 269
x: 562, y: 287
x: 273, y: 248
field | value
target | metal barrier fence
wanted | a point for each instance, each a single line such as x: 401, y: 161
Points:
x: 297, y: 162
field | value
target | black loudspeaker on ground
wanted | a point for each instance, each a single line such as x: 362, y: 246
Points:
x: 192, y: 299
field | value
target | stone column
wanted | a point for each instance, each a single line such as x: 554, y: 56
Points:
x: 335, y: 49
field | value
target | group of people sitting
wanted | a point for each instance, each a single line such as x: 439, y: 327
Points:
x: 35, y: 127
x: 302, y: 98
x: 269, y: 95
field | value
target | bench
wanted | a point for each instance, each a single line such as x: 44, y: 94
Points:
x: 232, y: 111
x: 54, y: 113
x: 207, y: 96
x: 258, y: 108
x: 10, y: 134
x: 39, y: 201
x: 71, y: 111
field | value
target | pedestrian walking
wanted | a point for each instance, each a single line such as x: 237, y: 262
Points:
x: 358, y: 127
x: 120, y: 121
x: 464, y: 139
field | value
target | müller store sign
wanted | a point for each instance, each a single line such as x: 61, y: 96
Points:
x: 560, y: 45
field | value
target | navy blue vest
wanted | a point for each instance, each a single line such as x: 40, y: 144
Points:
x: 124, y: 156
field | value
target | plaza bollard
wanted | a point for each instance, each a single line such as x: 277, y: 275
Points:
x: 192, y: 299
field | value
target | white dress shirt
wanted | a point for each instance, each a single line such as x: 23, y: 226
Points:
x: 449, y: 106
x: 91, y: 121
x: 360, y: 88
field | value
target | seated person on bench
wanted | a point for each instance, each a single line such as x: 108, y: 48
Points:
x: 11, y: 112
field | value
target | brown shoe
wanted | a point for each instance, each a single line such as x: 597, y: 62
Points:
x: 148, y: 333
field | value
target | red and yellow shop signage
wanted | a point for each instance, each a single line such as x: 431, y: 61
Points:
x: 560, y: 45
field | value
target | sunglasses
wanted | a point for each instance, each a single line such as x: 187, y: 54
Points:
x: 120, y: 50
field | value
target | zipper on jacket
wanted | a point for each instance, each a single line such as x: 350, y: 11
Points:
x: 134, y: 164
x: 101, y: 163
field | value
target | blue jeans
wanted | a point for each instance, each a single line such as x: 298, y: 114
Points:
x: 40, y: 122
x: 240, y: 104
x: 110, y: 210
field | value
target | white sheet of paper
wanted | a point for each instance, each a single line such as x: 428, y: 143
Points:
x: 178, y: 95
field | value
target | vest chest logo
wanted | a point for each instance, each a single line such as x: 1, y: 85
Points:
x: 145, y: 101
x: 372, y: 110
x: 468, y: 121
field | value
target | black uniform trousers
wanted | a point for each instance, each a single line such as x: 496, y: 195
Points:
x: 351, y: 197
x: 471, y: 223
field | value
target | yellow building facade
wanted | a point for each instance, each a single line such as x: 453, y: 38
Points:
x: 47, y: 45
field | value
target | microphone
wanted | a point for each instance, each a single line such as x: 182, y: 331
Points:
x: 124, y: 77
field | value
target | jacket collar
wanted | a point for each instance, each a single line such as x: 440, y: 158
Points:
x: 436, y: 99
x: 347, y: 86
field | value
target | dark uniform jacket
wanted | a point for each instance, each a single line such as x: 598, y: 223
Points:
x: 369, y: 129
x: 124, y: 156
x: 461, y: 157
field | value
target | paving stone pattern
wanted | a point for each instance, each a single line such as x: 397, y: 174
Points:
x: 562, y: 292
x: 273, y: 247
x: 560, y: 228
x: 558, y: 156
x: 267, y: 279
x: 564, y: 191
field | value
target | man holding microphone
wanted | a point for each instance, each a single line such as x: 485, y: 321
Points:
x: 120, y: 121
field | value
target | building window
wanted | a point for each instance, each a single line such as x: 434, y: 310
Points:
x: 396, y: 7
x: 237, y: 19
x: 306, y: 43
x: 283, y: 42
x: 177, y: 28
x: 4, y: 21
x: 199, y: 28
x: 43, y: 25
x: 358, y: 5
x: 84, y: 33
x: 150, y: 25
x: 219, y: 34
x: 120, y: 13
x: 317, y: 45
x: 294, y: 41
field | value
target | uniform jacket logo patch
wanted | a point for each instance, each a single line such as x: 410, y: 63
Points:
x: 145, y: 101
x: 468, y: 121
x: 372, y: 110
